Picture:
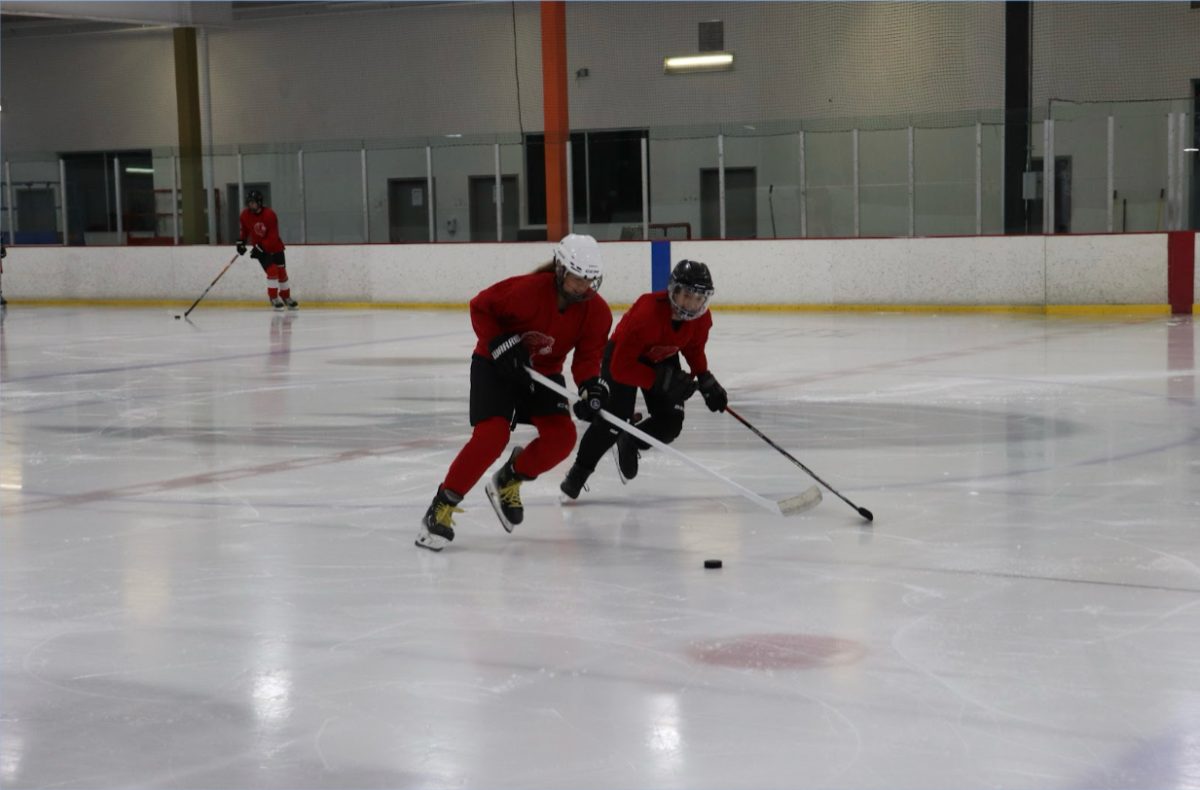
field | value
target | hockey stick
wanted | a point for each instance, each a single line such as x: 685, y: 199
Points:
x: 209, y: 288
x: 771, y: 202
x: 784, y: 507
x: 862, y: 511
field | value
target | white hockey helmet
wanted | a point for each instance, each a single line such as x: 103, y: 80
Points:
x: 579, y: 254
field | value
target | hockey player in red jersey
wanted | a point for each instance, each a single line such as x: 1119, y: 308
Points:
x: 533, y: 319
x: 3, y: 255
x: 644, y: 354
x: 260, y: 228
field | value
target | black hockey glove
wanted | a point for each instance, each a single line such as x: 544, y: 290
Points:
x: 593, y: 396
x: 241, y: 247
x: 258, y: 253
x: 714, y: 394
x: 510, y: 356
x: 673, y: 385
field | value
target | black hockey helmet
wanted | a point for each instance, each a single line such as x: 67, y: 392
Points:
x: 690, y: 288
x: 254, y: 196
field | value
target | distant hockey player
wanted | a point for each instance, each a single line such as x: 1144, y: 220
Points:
x: 260, y: 229
x: 533, y: 319
x: 3, y: 255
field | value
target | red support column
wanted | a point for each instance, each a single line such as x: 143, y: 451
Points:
x: 1181, y: 270
x: 558, y: 127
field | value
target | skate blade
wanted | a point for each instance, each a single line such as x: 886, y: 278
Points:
x: 427, y: 540
x: 617, y: 462
x: 494, y: 498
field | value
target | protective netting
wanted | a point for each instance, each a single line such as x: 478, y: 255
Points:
x: 1114, y: 52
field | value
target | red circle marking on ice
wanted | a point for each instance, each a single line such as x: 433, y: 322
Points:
x: 778, y: 651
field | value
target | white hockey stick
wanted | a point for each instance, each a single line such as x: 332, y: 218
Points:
x: 784, y: 507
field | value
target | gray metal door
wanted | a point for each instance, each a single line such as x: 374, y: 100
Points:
x: 36, y: 211
x: 408, y: 210
x: 741, y: 203
x: 483, y: 208
x: 1062, y: 197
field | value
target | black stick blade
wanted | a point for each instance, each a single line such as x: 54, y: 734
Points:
x: 862, y: 511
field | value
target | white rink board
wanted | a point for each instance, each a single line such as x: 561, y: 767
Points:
x: 990, y: 270
x: 1106, y: 269
x: 1032, y: 270
x: 766, y: 272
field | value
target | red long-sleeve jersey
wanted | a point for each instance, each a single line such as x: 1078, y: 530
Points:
x: 648, y: 334
x: 528, y: 304
x: 261, y: 229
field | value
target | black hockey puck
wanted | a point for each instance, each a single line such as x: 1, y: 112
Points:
x: 712, y: 563
x: 178, y: 317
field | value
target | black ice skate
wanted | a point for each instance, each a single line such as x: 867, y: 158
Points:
x: 575, y: 481
x: 291, y: 303
x: 504, y: 492
x: 278, y: 304
x: 625, y: 451
x: 437, y: 528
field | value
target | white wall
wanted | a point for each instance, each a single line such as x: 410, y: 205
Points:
x: 1087, y: 270
x: 792, y: 60
x: 454, y: 68
x: 475, y: 69
x: 427, y: 70
x: 1114, y: 51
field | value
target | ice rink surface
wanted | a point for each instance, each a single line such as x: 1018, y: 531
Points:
x: 209, y: 578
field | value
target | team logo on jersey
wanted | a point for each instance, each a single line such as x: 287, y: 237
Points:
x: 657, y: 354
x: 260, y: 229
x: 537, y: 343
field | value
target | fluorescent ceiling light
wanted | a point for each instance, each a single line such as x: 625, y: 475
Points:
x: 709, y: 61
x: 1191, y: 150
x: 147, y: 170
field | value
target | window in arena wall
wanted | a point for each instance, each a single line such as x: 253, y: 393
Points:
x: 92, y: 194
x: 606, y: 173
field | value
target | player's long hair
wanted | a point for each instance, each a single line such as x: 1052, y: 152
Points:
x: 559, y: 273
